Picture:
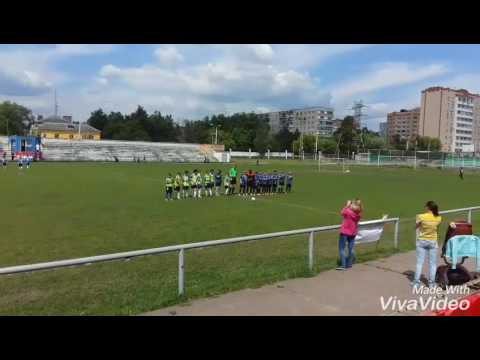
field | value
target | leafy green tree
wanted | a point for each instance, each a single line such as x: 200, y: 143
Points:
x: 98, y: 119
x: 426, y: 143
x: 262, y: 139
x: 327, y: 145
x: 14, y: 119
x: 373, y: 141
x: 284, y: 139
x: 347, y: 136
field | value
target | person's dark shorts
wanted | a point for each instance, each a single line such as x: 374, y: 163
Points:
x: 177, y: 188
x: 194, y: 186
x: 233, y: 181
x: 169, y: 190
x: 186, y: 188
x: 218, y: 184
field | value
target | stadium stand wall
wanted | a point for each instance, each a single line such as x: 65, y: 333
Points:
x: 107, y: 150
x: 3, y: 143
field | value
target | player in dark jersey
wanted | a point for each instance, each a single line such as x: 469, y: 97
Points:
x: 289, y: 182
x: 274, y: 181
x: 243, y: 184
x: 218, y: 182
x: 281, y: 183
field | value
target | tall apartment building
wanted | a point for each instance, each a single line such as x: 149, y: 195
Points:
x: 453, y: 116
x: 382, y: 130
x: 308, y: 121
x: 403, y: 123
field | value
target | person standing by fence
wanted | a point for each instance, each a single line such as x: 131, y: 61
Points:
x: 427, y: 236
x: 351, y: 216
x: 460, y: 173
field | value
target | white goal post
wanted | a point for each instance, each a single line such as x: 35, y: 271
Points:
x: 323, y: 161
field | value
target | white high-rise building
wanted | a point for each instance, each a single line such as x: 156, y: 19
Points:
x: 308, y: 121
x: 453, y: 116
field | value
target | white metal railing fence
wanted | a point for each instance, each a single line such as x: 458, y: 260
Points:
x: 268, y: 154
x: 468, y: 210
x: 182, y: 248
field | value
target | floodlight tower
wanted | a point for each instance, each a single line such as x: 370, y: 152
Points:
x: 358, y: 116
x: 358, y: 113
x: 55, y: 110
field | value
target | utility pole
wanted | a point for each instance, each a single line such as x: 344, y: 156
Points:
x: 55, y: 110
x: 316, y: 145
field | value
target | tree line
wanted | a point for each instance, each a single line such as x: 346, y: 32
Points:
x: 240, y: 131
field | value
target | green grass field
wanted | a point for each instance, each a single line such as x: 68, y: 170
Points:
x: 60, y: 211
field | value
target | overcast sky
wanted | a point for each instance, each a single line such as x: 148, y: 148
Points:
x: 192, y: 81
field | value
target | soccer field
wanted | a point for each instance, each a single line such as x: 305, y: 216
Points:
x: 57, y: 211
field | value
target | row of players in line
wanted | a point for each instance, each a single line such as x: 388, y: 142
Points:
x: 251, y: 183
x: 21, y: 161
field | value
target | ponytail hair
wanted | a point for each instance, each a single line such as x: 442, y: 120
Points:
x: 433, y: 207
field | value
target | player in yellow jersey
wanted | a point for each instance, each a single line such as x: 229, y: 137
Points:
x: 177, y: 185
x: 186, y: 185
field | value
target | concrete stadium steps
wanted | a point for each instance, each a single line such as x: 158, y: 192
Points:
x: 4, y: 142
x: 89, y: 150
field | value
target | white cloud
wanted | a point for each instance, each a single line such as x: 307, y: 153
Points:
x: 229, y: 83
x: 262, y: 52
x: 29, y: 71
x: 81, y: 49
x: 304, y: 56
x: 470, y: 82
x: 384, y: 76
x: 168, y: 55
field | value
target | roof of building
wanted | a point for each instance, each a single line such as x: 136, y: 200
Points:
x: 54, y: 119
x: 53, y: 126
x: 458, y: 91
x: 405, y: 111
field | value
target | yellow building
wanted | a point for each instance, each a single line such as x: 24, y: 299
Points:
x: 58, y: 128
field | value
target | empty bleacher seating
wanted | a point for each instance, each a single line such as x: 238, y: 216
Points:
x: 107, y: 150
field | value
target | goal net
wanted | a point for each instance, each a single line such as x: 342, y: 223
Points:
x: 335, y: 164
x: 385, y: 160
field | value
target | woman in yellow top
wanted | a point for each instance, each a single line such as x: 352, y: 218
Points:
x: 427, y: 237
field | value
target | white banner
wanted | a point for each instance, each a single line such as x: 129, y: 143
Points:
x: 369, y: 235
x: 468, y: 148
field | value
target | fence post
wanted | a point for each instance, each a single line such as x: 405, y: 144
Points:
x: 395, y: 238
x: 310, y: 251
x: 470, y: 216
x: 181, y: 272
